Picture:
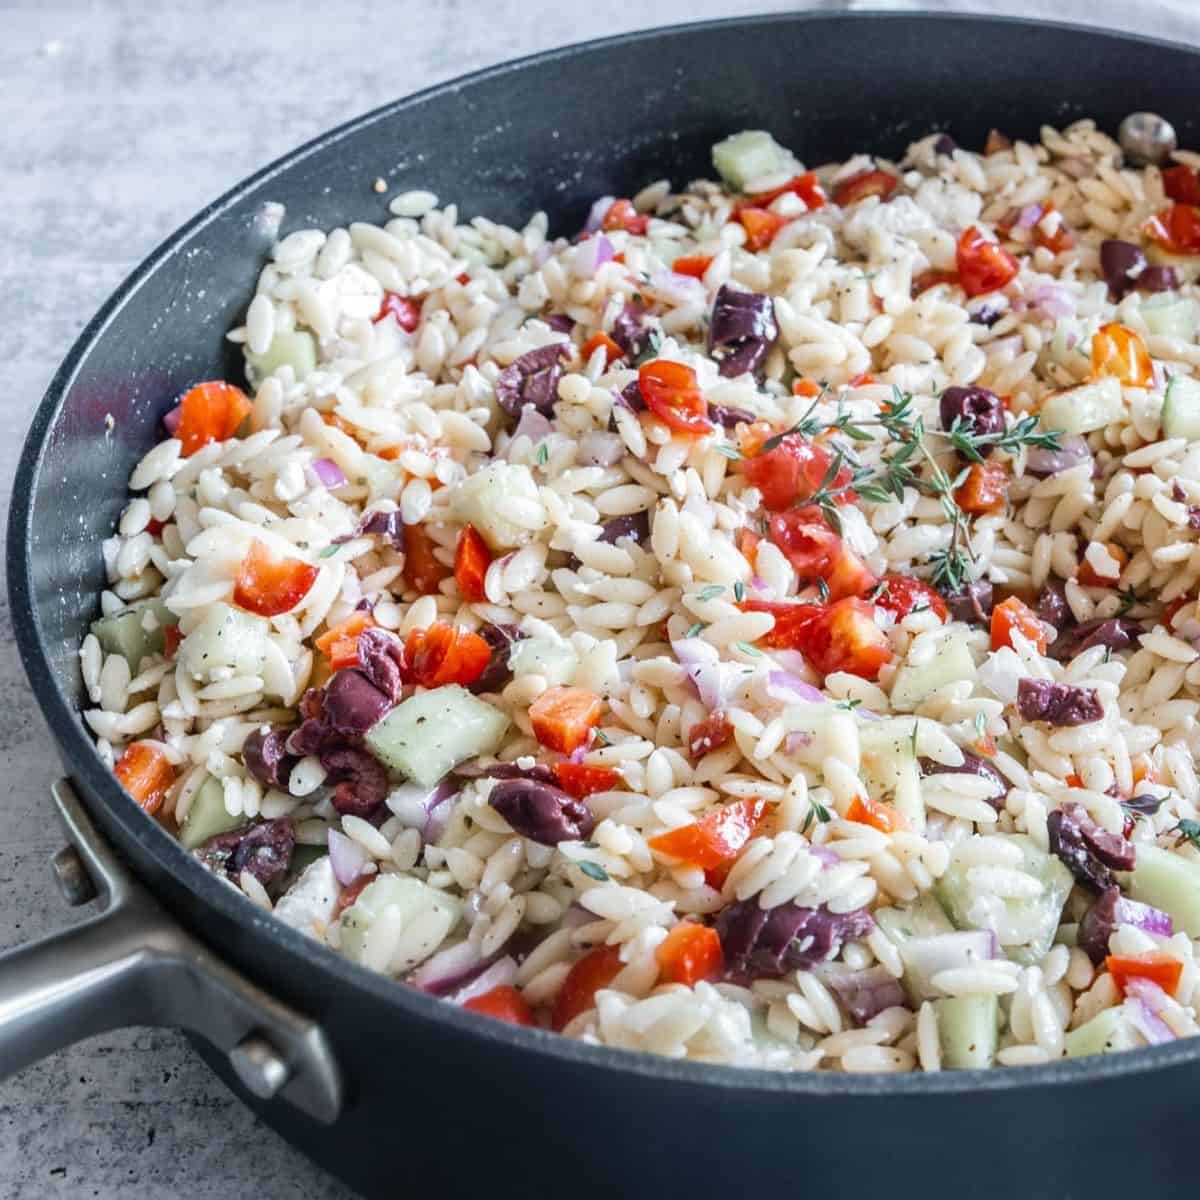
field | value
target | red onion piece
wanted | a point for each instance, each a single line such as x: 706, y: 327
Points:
x: 1053, y: 300
x: 500, y: 974
x: 1151, y: 1026
x: 679, y: 289
x: 449, y: 969
x: 591, y: 255
x: 1042, y: 463
x: 328, y: 472
x: 346, y: 857
x: 1028, y: 217
x: 423, y: 808
x: 789, y: 688
x: 705, y: 670
x: 795, y: 742
x: 533, y: 425
x: 597, y: 213
x: 827, y: 857
x: 172, y: 419
x: 599, y: 449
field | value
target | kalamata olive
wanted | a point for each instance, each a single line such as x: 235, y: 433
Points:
x: 1146, y: 138
x: 360, y: 779
x: 1157, y: 279
x: 1086, y: 849
x: 633, y: 525
x: 497, y: 673
x: 1108, y: 911
x: 1059, y: 704
x: 542, y: 813
x: 972, y: 602
x: 353, y: 703
x: 988, y: 312
x: 266, y: 758
x: 729, y: 417
x: 1052, y: 605
x: 631, y: 330
x: 532, y: 379
x: 1114, y: 633
x: 559, y: 322
x: 977, y: 409
x: 972, y: 764
x: 770, y: 942
x: 1125, y: 269
x: 945, y: 145
x: 264, y: 850
x: 742, y: 330
x: 381, y: 657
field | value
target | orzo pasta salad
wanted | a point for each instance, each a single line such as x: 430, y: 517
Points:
x: 760, y: 628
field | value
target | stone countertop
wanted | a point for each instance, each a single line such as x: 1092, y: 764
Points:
x: 120, y: 121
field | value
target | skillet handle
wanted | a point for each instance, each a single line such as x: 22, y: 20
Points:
x: 131, y: 964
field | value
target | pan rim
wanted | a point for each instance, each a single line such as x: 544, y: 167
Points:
x: 100, y: 788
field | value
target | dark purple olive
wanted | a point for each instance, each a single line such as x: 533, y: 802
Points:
x: 1109, y: 910
x: 1125, y: 269
x: 1086, y: 849
x: 987, y: 313
x: 353, y: 703
x: 945, y: 145
x: 497, y: 673
x: 264, y: 849
x: 633, y: 525
x: 971, y: 603
x: 1157, y: 279
x: 542, y: 813
x: 360, y: 779
x: 381, y: 657
x: 741, y: 331
x: 1114, y: 633
x: 559, y: 322
x: 770, y: 942
x: 976, y: 409
x: 972, y: 764
x: 865, y: 994
x: 538, y: 772
x: 386, y: 525
x: 631, y: 330
x: 1060, y: 704
x: 266, y: 757
x: 729, y: 418
x: 631, y: 396
x: 309, y: 736
x: 1052, y: 605
x: 532, y: 379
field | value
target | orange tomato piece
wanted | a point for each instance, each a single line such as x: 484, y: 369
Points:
x: 471, y: 561
x: 267, y: 585
x: 692, y: 264
x: 983, y: 266
x: 423, y: 570
x: 564, y: 717
x: 595, y: 970
x: 790, y: 621
x: 580, y: 780
x: 145, y: 773
x: 672, y: 393
x: 1088, y: 576
x: 210, y: 412
x: 612, y: 351
x: 875, y: 813
x: 445, y: 653
x: 866, y: 183
x: 900, y: 594
x: 761, y: 226
x: 1181, y: 184
x: 1155, y: 965
x: 709, y: 734
x: 503, y: 1003
x: 847, y: 574
x: 716, y: 839
x: 339, y: 643
x: 808, y: 388
x: 1176, y: 229
x: 1060, y: 239
x: 1013, y: 614
x: 983, y: 489
x: 689, y: 953
x: 622, y: 215
x: 1120, y: 352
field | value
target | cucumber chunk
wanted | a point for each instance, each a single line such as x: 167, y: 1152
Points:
x: 924, y: 917
x: 397, y: 922
x: 227, y: 637
x: 474, y: 501
x: 310, y: 903
x: 748, y: 155
x: 1085, y: 408
x: 432, y: 732
x: 135, y: 632
x: 952, y: 662
x: 1181, y: 408
x: 207, y: 815
x: 1171, y: 316
x: 1170, y: 882
x: 968, y: 1029
x: 1105, y: 1033
x: 289, y: 347
x: 552, y: 658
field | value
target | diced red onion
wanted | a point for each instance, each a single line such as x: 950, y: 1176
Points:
x: 703, y: 666
x: 1029, y: 216
x: 346, y: 857
x: 681, y: 289
x: 172, y: 419
x: 1001, y: 673
x: 827, y: 857
x: 865, y: 994
x: 577, y: 755
x: 1151, y: 1026
x: 598, y: 211
x: 599, y: 449
x: 329, y: 473
x: 1053, y: 300
x: 1043, y: 463
x: 591, y: 255
x: 449, y: 969
x: 542, y: 253
x: 795, y: 742
x: 533, y: 425
x: 423, y: 808
x: 500, y: 974
x: 783, y: 685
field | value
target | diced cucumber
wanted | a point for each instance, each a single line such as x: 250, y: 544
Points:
x: 748, y: 155
x: 952, y: 661
x: 227, y: 637
x: 289, y: 347
x: 1025, y: 928
x: 310, y: 903
x: 1170, y: 882
x: 552, y: 658
x: 924, y: 917
x: 135, y: 632
x: 1181, y: 408
x: 207, y: 815
x: 421, y: 915
x: 1171, y: 316
x: 1105, y: 1033
x: 474, y: 501
x: 432, y: 732
x: 303, y: 857
x: 968, y: 1029
x: 1082, y: 409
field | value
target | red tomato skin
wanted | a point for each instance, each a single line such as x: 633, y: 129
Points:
x: 710, y: 734
x: 503, y: 1003
x: 405, y: 310
x: 983, y: 266
x: 900, y: 595
x: 1181, y: 184
x: 269, y: 586
x: 580, y: 780
x: 595, y: 970
x: 868, y: 183
x: 672, y: 393
x: 792, y: 471
x: 1176, y: 229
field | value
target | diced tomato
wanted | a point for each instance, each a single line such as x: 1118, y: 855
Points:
x: 564, y: 717
x: 1013, y: 614
x: 268, y: 585
x: 983, y: 266
x: 806, y: 540
x: 612, y: 351
x: 504, y: 1003
x: 445, y: 653
x: 747, y: 544
x: 406, y: 311
x: 983, y: 489
x: 692, y: 264
x: 716, y: 839
x: 1120, y: 352
x: 862, y: 379
x: 339, y: 643
x: 462, y: 277
x: 1172, y: 610
x: 761, y: 226
x: 792, y: 471
x: 154, y: 527
x: 867, y: 183
x: 210, y: 412
x: 471, y: 561
x: 672, y: 393
x: 808, y: 388
x: 710, y: 734
x: 875, y: 813
x: 580, y: 780
x: 689, y: 953
x: 846, y: 638
x: 1176, y: 229
x: 172, y: 636
x: 594, y: 971
x: 1181, y: 184
x: 900, y: 594
x: 806, y: 186
x: 343, y: 426
x: 1058, y: 241
x: 423, y: 570
x: 145, y: 773
x: 932, y: 278
x: 996, y: 142
x: 847, y: 574
x: 790, y: 620
x: 1155, y: 965
x: 1088, y: 576
x: 622, y: 215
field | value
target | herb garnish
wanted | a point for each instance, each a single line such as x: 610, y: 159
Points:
x: 593, y: 870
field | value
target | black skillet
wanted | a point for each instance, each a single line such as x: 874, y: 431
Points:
x: 387, y: 1088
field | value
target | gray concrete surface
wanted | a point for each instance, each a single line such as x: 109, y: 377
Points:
x: 117, y: 121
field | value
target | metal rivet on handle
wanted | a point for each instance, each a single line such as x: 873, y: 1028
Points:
x: 73, y: 879
x: 1146, y: 138
x: 260, y: 1067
